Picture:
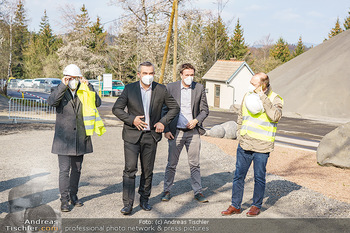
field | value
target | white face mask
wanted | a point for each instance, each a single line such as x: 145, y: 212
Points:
x: 147, y: 79
x: 251, y: 88
x: 73, y: 84
x: 188, y: 80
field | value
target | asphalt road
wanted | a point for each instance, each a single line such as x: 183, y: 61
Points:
x: 29, y: 93
x: 295, y: 132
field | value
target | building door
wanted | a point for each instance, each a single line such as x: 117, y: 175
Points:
x: 217, y: 96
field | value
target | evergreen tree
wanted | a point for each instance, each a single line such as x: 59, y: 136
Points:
x: 77, y: 47
x: 300, y: 48
x: 4, y: 48
x: 20, y: 39
x: 48, y: 45
x: 46, y: 36
x: 45, y: 25
x: 260, y: 59
x: 347, y: 22
x: 215, y: 43
x: 280, y: 51
x: 98, y: 43
x: 336, y: 30
x: 32, y: 58
x: 40, y: 56
x: 238, y: 48
x: 82, y: 21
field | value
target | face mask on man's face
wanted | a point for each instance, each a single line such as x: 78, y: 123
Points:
x: 188, y: 80
x: 73, y: 84
x: 147, y: 79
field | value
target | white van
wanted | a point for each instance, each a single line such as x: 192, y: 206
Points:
x: 39, y: 83
x: 26, y: 83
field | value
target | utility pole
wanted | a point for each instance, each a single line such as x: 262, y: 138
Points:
x: 10, y: 57
x: 175, y: 41
x: 9, y: 71
x: 162, y: 70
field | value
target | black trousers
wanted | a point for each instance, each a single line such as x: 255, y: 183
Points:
x: 69, y: 176
x: 146, y: 147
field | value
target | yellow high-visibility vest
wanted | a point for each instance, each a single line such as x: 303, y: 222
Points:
x: 259, y: 126
x: 92, y: 120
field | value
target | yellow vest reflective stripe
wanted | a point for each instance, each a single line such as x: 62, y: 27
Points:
x: 259, y: 126
x: 92, y: 120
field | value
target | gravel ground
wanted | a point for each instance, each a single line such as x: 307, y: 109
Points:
x: 28, y: 160
x: 300, y: 167
x: 6, y: 129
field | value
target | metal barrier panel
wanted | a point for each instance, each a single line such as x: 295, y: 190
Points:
x: 31, y: 109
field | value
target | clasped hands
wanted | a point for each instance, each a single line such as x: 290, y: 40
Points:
x: 190, y: 125
x: 141, y: 125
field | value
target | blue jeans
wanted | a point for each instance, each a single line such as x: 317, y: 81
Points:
x: 244, y: 159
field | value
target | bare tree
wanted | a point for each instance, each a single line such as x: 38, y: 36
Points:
x: 122, y: 58
x: 75, y: 47
x: 68, y: 18
x: 221, y: 6
x: 145, y: 22
x: 190, y: 39
x: 261, y: 61
x: 265, y: 45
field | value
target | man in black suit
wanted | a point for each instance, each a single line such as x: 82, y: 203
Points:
x: 185, y: 129
x: 143, y: 127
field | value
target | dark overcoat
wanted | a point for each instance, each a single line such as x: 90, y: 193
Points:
x: 70, y: 136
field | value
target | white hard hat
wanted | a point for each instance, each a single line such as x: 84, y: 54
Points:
x: 72, y: 70
x: 254, y: 103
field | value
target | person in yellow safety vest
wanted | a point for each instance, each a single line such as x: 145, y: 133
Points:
x: 257, y: 124
x: 71, y: 141
x: 92, y: 120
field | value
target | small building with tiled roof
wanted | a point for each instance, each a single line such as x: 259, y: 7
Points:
x: 227, y: 82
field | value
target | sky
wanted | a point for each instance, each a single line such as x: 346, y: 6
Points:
x: 310, y: 19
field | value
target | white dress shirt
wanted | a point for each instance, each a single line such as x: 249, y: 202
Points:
x: 146, y: 101
x: 185, y: 108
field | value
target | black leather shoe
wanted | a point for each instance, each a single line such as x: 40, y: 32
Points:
x: 65, y: 206
x: 75, y: 201
x: 145, y: 206
x: 126, y: 210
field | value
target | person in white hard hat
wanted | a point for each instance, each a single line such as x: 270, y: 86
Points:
x: 261, y: 110
x: 70, y: 141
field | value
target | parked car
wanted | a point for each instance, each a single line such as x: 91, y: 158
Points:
x: 26, y: 83
x: 93, y: 82
x: 117, y: 87
x: 12, y: 82
x: 39, y: 83
x: 50, y: 83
